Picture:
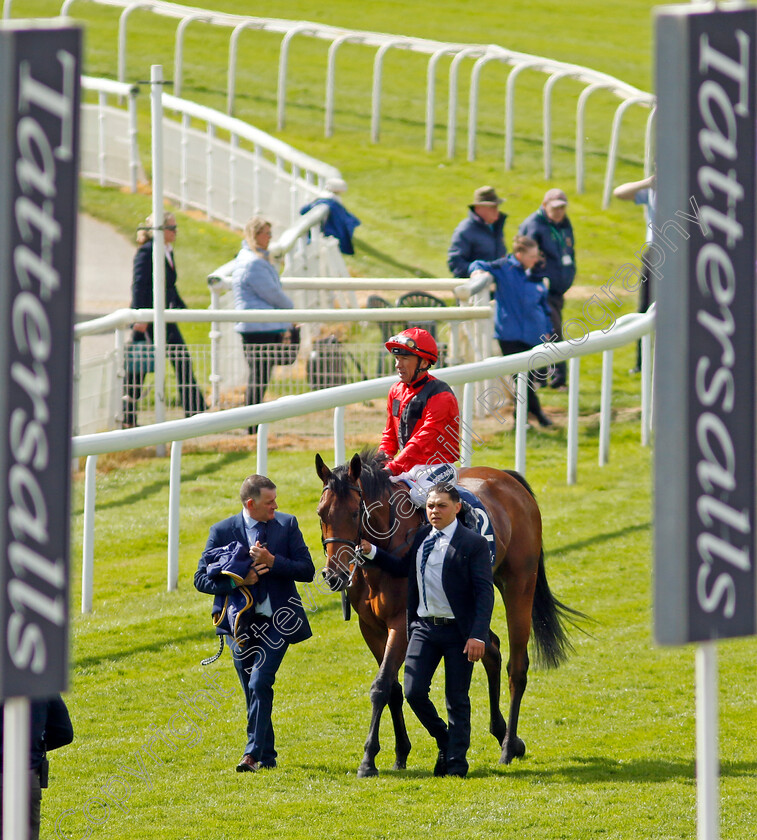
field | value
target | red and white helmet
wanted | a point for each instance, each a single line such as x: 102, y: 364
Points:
x: 414, y: 342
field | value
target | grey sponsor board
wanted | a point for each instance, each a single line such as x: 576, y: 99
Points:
x: 705, y: 585
x: 39, y: 118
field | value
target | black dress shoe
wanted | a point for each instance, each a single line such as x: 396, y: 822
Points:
x: 440, y: 768
x: 248, y: 764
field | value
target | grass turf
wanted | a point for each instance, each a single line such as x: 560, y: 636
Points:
x: 610, y: 737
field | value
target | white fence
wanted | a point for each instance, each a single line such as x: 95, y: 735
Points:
x: 480, y: 54
x: 627, y: 329
x: 98, y: 382
x: 228, y: 179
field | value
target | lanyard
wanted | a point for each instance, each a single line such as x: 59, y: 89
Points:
x: 557, y: 234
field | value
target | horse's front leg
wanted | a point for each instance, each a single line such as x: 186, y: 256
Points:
x: 394, y: 657
x: 390, y: 655
x: 492, y: 662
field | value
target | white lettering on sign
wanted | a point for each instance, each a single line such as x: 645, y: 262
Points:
x: 36, y: 591
x: 723, y: 543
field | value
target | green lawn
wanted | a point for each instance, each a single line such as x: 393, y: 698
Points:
x: 610, y: 736
x: 409, y: 200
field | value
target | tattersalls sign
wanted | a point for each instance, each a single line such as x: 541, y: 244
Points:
x: 705, y: 584
x: 39, y: 120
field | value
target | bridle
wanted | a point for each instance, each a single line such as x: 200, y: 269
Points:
x: 355, y: 563
x: 354, y: 544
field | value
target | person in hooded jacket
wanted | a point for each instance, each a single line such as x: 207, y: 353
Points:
x: 522, y: 315
x: 553, y: 232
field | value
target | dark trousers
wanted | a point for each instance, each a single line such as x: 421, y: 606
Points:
x: 645, y: 301
x: 191, y: 397
x: 257, y: 664
x: 260, y: 361
x: 35, y: 803
x: 556, y: 303
x: 509, y: 348
x: 428, y: 645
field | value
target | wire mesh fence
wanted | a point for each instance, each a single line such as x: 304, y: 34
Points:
x: 112, y: 395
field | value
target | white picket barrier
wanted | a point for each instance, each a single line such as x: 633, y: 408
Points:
x: 627, y: 329
x: 479, y: 54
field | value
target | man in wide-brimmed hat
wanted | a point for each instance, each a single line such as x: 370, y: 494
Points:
x: 480, y: 236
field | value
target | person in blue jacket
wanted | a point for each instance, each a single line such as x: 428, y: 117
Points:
x: 276, y: 619
x: 255, y: 284
x: 340, y: 223
x: 522, y: 316
x: 553, y: 232
x: 50, y: 728
x: 480, y: 236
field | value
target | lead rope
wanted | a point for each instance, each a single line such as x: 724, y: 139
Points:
x: 212, y: 659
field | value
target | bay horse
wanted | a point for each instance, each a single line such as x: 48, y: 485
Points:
x: 359, y: 501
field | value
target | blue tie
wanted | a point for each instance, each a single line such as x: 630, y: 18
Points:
x: 428, y: 547
x: 261, y: 537
x: 262, y: 529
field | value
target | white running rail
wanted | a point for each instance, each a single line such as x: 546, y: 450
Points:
x: 627, y: 329
x: 480, y: 54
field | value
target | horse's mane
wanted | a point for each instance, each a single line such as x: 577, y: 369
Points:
x: 375, y: 481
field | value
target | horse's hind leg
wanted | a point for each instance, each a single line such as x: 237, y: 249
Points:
x: 401, y: 739
x: 519, y: 630
x: 492, y: 662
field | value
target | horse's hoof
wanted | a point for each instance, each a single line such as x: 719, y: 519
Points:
x: 365, y: 771
x: 512, y: 749
x: 400, y: 764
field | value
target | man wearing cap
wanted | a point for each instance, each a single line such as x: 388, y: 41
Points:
x: 480, y: 236
x: 553, y: 232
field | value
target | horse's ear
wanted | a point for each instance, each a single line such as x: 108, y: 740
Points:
x: 324, y: 473
x: 355, y: 467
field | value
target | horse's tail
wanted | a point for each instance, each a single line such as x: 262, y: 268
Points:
x: 548, y: 619
x: 521, y: 480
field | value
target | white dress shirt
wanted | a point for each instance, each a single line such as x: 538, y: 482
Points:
x: 436, y: 604
x: 251, y: 526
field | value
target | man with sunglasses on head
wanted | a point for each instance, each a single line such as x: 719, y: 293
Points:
x: 421, y: 440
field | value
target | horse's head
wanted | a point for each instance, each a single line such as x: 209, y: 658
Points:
x: 340, y: 510
x: 354, y: 506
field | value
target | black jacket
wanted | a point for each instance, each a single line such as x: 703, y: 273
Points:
x: 466, y: 579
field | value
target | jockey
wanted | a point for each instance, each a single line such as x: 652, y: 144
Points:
x: 422, y: 438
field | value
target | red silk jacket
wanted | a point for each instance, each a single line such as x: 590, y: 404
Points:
x: 431, y: 438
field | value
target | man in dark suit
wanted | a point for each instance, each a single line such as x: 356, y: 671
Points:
x: 450, y: 597
x: 280, y: 557
x: 50, y: 728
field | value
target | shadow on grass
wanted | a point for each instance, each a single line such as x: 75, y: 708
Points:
x: 594, y: 769
x: 600, y: 538
x: 204, y: 635
x: 158, y: 486
x: 362, y: 248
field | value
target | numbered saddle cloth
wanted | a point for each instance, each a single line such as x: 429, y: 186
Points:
x: 477, y: 519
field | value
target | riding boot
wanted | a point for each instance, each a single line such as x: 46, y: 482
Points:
x: 468, y: 516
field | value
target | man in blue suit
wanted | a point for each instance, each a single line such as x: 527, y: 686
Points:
x: 450, y: 598
x: 280, y: 557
